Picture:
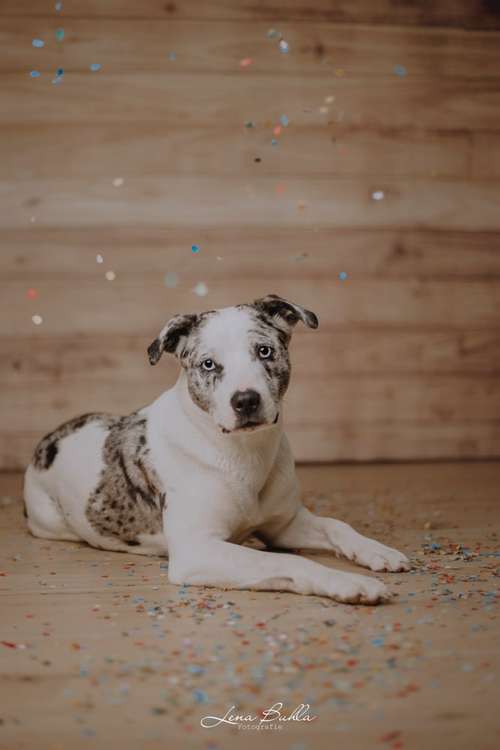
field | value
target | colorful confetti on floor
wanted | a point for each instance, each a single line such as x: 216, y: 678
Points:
x: 99, y: 648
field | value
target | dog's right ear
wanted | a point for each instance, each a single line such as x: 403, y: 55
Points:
x: 171, y: 337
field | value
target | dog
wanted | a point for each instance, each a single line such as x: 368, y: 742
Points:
x: 203, y: 467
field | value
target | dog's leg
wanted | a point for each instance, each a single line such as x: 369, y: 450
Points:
x: 307, y: 531
x: 212, y: 562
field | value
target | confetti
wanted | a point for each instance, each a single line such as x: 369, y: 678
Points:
x: 110, y: 275
x: 329, y: 99
x: 99, y: 258
x: 200, y: 696
x: 195, y: 249
x: 249, y: 124
x: 342, y: 276
x: 274, y: 142
x: 284, y: 47
x: 339, y: 72
x: 272, y: 34
x: 118, y: 181
x: 31, y: 293
x: 201, y: 289
x: 94, y: 67
x: 35, y: 74
x: 59, y: 35
x: 37, y: 320
x: 378, y: 195
x: 277, y: 130
x: 170, y: 280
x: 38, y: 43
x: 172, y: 56
x: 246, y: 62
x: 58, y: 7
x: 400, y: 70
x: 284, y: 120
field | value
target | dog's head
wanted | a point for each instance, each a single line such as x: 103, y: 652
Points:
x: 236, y: 359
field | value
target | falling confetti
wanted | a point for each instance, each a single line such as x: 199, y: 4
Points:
x: 170, y: 280
x: 195, y: 249
x: 201, y: 289
x: 59, y: 34
x: 272, y: 34
x: 329, y: 99
x: 274, y: 142
x: 284, y: 120
x: 342, y: 276
x: 38, y: 43
x: 35, y: 74
x: 378, y: 195
x: 31, y: 293
x: 277, y: 130
x: 249, y: 124
x: 110, y: 275
x: 284, y: 47
x: 95, y: 67
x: 245, y: 62
x: 118, y: 181
x: 37, y: 320
x: 172, y: 56
x: 58, y: 7
x: 99, y: 258
x: 400, y: 70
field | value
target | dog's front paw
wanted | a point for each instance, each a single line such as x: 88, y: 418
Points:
x: 350, y: 588
x: 380, y: 558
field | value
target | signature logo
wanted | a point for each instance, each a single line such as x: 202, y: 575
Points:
x: 272, y: 717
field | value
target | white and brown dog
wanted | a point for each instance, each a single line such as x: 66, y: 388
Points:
x: 203, y: 467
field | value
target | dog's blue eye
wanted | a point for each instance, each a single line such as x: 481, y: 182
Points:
x: 265, y: 352
x: 208, y: 365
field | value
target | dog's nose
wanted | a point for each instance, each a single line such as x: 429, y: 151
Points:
x: 245, y: 402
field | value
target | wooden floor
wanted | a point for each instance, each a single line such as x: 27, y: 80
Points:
x: 98, y: 650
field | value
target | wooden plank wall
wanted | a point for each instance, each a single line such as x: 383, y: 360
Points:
x: 402, y: 98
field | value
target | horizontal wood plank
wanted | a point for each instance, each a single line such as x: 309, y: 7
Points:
x: 386, y: 441
x: 32, y: 254
x: 209, y: 99
x: 469, y: 14
x: 31, y: 151
x: 323, y: 50
x: 42, y: 360
x: 265, y: 201
x: 84, y: 307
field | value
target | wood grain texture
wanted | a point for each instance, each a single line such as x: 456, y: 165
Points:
x: 406, y: 361
x: 468, y: 14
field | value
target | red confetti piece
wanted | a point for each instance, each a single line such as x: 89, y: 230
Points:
x: 246, y: 62
x: 32, y: 293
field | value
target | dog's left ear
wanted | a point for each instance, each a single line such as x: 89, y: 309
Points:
x: 172, y: 336
x: 289, y: 312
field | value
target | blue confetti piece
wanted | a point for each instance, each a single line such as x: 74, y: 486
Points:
x: 38, y: 43
x: 95, y: 67
x: 400, y: 70
x: 342, y: 276
x: 172, y: 56
x: 284, y: 120
x: 60, y: 72
x: 378, y: 641
x: 59, y: 34
x: 200, y: 696
x: 195, y: 249
x: 58, y: 7
x: 35, y: 74
x: 274, y: 142
x: 272, y: 34
x: 196, y: 669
